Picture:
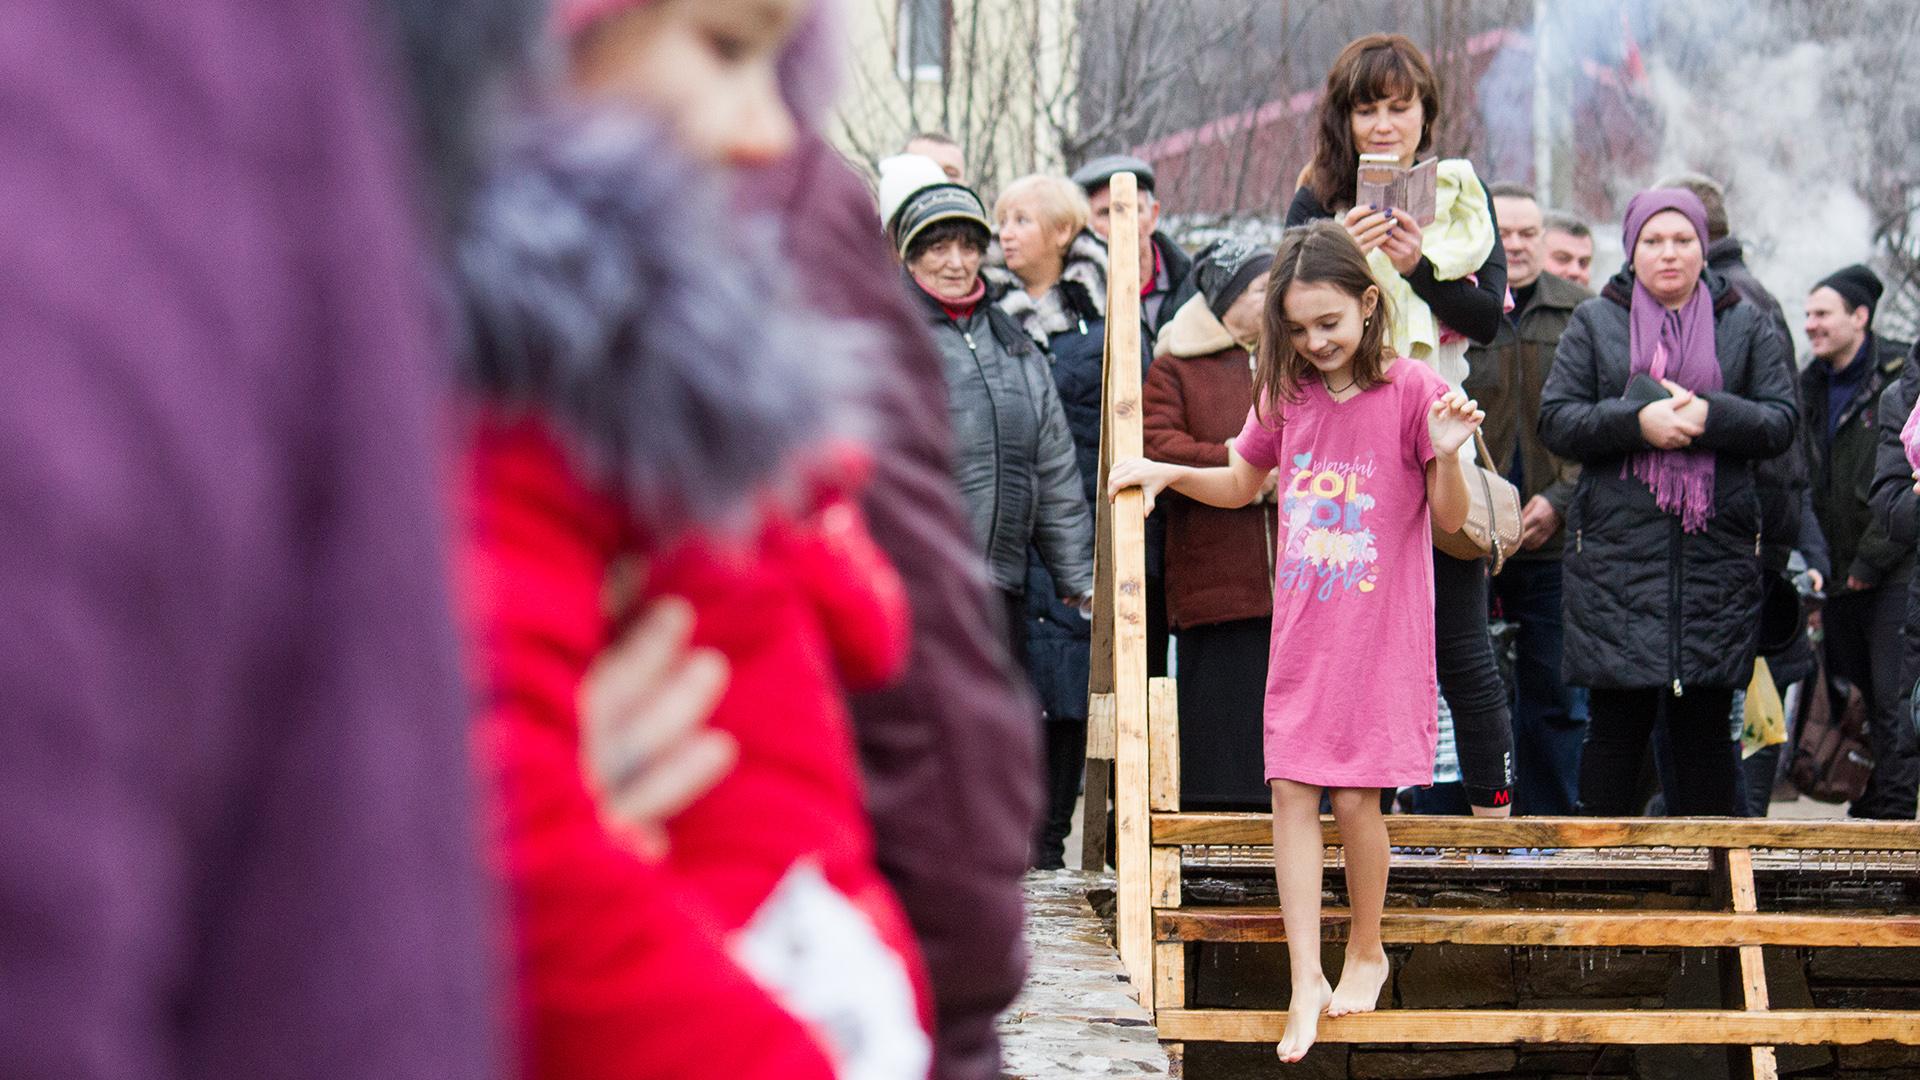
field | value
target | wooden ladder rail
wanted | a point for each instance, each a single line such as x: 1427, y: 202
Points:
x: 1743, y: 971
x: 1117, y: 685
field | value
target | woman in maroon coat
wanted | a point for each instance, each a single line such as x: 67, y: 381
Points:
x: 1219, y: 562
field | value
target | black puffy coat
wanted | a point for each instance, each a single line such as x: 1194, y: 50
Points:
x: 1648, y: 605
x: 1896, y: 509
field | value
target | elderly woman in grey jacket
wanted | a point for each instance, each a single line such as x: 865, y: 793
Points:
x: 1013, y: 452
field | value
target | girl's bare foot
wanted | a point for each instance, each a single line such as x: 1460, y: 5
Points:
x: 1361, y: 978
x: 1303, y: 1020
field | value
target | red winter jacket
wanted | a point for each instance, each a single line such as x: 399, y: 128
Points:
x: 623, y: 968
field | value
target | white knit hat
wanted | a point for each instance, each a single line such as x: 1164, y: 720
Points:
x: 903, y: 174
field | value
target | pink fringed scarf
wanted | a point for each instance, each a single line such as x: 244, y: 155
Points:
x: 1676, y: 345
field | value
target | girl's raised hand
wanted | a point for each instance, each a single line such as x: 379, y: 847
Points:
x: 1368, y: 225
x: 1151, y: 477
x: 1451, y: 421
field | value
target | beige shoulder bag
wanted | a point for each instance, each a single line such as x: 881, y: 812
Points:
x: 1492, y: 530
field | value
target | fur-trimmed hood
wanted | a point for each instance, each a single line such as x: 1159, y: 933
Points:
x: 1080, y: 294
x: 606, y: 285
x: 1194, y: 331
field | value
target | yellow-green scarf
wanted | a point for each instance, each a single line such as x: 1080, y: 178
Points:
x: 1457, y: 244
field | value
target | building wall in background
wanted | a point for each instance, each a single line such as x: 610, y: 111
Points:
x: 997, y: 75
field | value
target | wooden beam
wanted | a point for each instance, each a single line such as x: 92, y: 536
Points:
x: 1629, y: 1027
x: 1095, y: 815
x: 1585, y: 929
x: 1100, y: 744
x: 1170, y: 975
x: 1743, y: 970
x: 1414, y: 830
x: 1163, y: 739
x: 1122, y: 437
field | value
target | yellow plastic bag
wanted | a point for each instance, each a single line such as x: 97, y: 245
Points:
x: 1766, y: 715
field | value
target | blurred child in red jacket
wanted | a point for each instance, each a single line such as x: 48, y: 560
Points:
x: 654, y: 419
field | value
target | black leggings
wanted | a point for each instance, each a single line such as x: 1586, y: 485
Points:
x: 1482, y: 726
x: 1699, y: 738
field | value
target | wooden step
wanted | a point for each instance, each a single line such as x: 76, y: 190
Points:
x: 1622, y: 928
x: 1416, y: 830
x: 1666, y: 1027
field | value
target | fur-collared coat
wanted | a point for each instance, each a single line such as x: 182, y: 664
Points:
x: 641, y: 408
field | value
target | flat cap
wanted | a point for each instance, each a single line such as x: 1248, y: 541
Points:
x: 1099, y: 172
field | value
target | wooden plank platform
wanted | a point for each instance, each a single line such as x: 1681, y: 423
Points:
x: 1636, y: 1027
x: 1612, y: 864
x: 1413, y: 830
x: 1637, y: 928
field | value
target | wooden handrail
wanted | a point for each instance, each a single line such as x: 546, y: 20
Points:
x: 1586, y: 929
x: 1414, y: 830
x: 1632, y: 1027
x: 1119, y: 632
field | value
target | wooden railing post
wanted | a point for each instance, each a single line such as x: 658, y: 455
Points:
x: 1743, y: 971
x: 1119, y: 650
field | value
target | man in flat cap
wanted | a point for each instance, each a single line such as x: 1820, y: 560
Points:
x: 1839, y: 393
x: 1166, y: 271
x: 1166, y: 282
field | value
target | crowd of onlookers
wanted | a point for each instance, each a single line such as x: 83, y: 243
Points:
x: 1621, y: 658
x: 517, y: 566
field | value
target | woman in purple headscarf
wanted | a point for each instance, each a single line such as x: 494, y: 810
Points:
x: 1666, y: 388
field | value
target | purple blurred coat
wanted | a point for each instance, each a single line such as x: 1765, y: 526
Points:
x: 239, y: 822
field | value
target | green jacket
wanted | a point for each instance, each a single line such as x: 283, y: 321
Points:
x: 1505, y: 377
x: 1841, y: 474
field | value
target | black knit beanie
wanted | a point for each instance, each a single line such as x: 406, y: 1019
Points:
x: 1226, y: 269
x: 1857, y: 285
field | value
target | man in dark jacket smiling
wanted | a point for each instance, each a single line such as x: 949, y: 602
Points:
x: 1840, y: 391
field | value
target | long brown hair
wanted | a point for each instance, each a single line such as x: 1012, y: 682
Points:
x: 1373, y: 68
x: 1320, y: 253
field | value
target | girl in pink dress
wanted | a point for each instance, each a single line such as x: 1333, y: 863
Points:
x: 1366, y: 448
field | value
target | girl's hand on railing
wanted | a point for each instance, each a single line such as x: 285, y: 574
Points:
x: 1151, y: 477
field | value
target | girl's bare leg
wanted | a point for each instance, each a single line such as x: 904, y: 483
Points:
x: 1298, y: 857
x: 1363, y: 833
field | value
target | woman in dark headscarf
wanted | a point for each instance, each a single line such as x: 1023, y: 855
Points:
x: 1666, y: 388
